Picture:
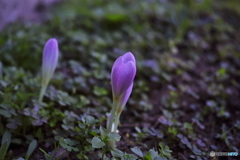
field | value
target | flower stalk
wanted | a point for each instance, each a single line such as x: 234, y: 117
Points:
x: 122, y: 76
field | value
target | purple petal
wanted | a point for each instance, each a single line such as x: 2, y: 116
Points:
x: 118, y: 62
x: 128, y: 57
x: 122, y: 77
x: 49, y: 60
x: 126, y: 96
x: 115, y: 75
x: 126, y: 77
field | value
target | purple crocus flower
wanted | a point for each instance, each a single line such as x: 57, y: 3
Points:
x: 122, y: 76
x: 49, y: 64
x: 49, y: 60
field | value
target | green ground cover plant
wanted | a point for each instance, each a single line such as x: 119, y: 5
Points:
x: 185, y: 97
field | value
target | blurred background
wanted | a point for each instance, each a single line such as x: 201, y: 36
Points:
x: 26, y: 10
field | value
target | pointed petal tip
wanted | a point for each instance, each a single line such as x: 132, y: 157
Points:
x: 51, y: 45
x: 128, y: 57
x: 52, y: 41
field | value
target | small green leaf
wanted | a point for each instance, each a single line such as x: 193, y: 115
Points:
x: 173, y: 130
x: 103, y: 132
x: 5, y: 113
x: 90, y: 120
x: 97, y: 142
x: 196, y: 150
x: 6, y: 137
x: 114, y: 136
x: 153, y: 153
x: 6, y: 140
x: 99, y: 91
x: 32, y: 146
x: 117, y: 153
x: 130, y: 157
x: 3, y: 150
x: 83, y: 101
x: 164, y: 150
x: 137, y: 151
x: 221, y: 72
x: 148, y: 156
x: 68, y: 144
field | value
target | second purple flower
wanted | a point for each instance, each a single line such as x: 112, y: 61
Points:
x: 49, y: 64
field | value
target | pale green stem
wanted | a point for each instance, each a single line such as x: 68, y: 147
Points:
x: 42, y: 92
x: 112, y: 118
x: 113, y: 122
x: 116, y: 122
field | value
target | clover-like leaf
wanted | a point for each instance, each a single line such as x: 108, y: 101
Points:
x: 114, y: 136
x: 97, y: 142
x: 103, y: 132
x: 137, y: 151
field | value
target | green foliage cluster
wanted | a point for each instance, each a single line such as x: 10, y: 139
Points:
x: 185, y: 101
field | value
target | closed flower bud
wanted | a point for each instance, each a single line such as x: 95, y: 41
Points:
x: 122, y: 76
x: 49, y: 64
x: 49, y: 60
